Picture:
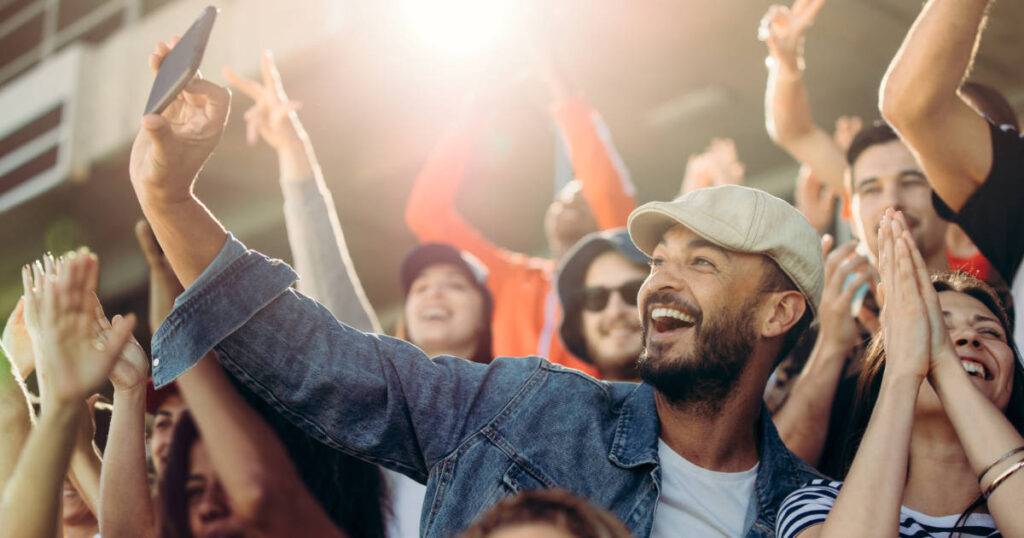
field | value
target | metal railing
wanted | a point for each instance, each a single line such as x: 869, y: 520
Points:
x: 53, y: 38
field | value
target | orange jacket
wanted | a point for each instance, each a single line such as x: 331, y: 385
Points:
x: 526, y: 308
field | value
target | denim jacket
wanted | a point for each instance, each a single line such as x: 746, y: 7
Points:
x: 473, y: 433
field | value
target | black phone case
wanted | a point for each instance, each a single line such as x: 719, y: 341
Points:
x: 182, y: 63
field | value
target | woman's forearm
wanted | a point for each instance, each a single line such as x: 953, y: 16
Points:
x: 869, y: 503
x: 985, y: 435
x: 30, y: 504
x: 262, y: 484
x: 84, y: 468
x: 126, y: 508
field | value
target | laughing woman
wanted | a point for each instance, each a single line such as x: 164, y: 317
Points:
x: 942, y: 453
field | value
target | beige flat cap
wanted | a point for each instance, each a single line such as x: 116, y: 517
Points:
x: 740, y: 219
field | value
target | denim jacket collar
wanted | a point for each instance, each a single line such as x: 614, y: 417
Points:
x: 780, y: 472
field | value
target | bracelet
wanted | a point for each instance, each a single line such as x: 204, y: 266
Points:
x: 1001, y: 459
x: 1001, y: 478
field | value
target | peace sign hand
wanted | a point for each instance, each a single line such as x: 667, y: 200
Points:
x: 783, y: 29
x: 273, y: 116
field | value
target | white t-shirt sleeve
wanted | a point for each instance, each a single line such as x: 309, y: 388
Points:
x: 806, y: 507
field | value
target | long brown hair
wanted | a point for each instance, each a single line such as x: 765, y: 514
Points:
x: 870, y: 381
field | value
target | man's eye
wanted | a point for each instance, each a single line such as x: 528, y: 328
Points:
x: 703, y: 262
x: 656, y: 262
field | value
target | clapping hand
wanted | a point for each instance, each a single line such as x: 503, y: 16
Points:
x: 172, y: 147
x: 783, y: 30
x: 73, y: 359
x: 17, y: 343
x: 915, y: 333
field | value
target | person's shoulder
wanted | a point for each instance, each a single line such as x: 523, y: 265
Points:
x: 806, y: 507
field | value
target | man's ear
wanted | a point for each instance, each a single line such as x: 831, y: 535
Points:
x: 782, y: 311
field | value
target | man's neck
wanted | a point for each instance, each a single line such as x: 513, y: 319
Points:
x: 940, y: 480
x: 724, y: 441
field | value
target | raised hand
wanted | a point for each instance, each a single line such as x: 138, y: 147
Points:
x: 838, y: 325
x: 906, y: 327
x: 718, y: 165
x: 815, y: 200
x: 783, y: 30
x: 172, y: 147
x: 847, y: 128
x: 17, y: 343
x: 164, y: 286
x: 131, y: 371
x: 273, y: 116
x: 72, y: 362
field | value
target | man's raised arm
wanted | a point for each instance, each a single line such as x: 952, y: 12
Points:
x: 787, y: 106
x: 920, y: 98
x: 168, y: 153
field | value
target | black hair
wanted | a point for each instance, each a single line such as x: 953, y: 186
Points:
x: 352, y: 492
x: 775, y: 279
x: 877, y: 134
x: 174, y: 522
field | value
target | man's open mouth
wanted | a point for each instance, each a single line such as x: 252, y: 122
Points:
x: 665, y: 319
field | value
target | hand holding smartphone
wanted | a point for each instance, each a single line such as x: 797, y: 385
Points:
x: 181, y: 63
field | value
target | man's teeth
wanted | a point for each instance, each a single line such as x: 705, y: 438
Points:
x: 660, y: 313
x: 975, y: 369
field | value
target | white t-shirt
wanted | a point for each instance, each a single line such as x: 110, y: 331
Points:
x: 406, y: 505
x: 697, y: 502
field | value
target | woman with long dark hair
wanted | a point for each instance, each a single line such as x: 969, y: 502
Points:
x: 228, y: 474
x: 941, y: 404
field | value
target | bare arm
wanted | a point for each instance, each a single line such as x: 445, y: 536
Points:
x: 71, y: 365
x: 920, y: 99
x: 84, y: 470
x: 788, y: 115
x: 803, y: 420
x: 318, y: 245
x: 15, y: 419
x: 169, y: 151
x: 262, y: 484
x: 30, y: 506
x: 126, y: 507
x: 869, y: 503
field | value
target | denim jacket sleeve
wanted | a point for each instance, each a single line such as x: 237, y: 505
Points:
x: 374, y: 397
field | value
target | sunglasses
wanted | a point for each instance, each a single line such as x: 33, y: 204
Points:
x: 595, y: 298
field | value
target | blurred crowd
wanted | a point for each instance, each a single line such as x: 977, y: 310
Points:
x: 722, y: 364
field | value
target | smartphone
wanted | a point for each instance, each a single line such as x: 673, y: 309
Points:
x: 181, y: 64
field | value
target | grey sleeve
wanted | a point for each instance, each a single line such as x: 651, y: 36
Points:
x: 321, y: 257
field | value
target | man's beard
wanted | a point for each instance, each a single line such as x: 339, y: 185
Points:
x: 705, y: 378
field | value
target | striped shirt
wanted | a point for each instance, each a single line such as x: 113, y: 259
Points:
x: 810, y: 505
